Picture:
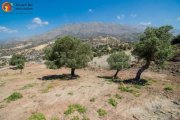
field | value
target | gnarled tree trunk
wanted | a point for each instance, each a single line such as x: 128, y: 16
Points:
x: 115, y: 75
x: 144, y: 67
x: 72, y: 72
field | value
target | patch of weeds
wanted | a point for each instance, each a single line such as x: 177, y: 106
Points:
x: 168, y: 87
x: 70, y: 93
x: 118, y: 96
x: 28, y: 86
x: 151, y: 81
x: 75, y: 107
x: 14, y: 96
x: 101, y: 112
x: 138, y: 86
x: 55, y: 118
x: 112, y: 102
x: 80, y: 108
x: 133, y: 90
x: 136, y: 93
x: 125, y: 88
x: 47, y: 88
x: 92, y: 99
x: 37, y: 116
x: 69, y: 111
x: 75, y: 118
x: 85, y: 118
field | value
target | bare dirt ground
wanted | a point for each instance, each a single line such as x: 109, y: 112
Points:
x: 52, y: 96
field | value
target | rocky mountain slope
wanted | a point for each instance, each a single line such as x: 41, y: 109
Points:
x: 84, y: 31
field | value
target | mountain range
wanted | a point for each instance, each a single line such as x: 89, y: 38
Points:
x: 86, y: 31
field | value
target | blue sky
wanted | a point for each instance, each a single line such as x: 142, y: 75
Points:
x: 49, y: 14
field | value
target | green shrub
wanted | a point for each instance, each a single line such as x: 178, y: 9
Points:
x: 113, y: 102
x: 80, y: 108
x: 75, y: 107
x: 18, y: 60
x: 168, y: 88
x: 14, y: 96
x: 37, y: 116
x: 101, y: 112
x: 70, y: 110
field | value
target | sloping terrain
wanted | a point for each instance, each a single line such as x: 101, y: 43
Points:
x: 48, y: 92
x: 84, y: 31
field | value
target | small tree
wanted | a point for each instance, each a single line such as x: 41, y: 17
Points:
x: 118, y: 61
x: 68, y: 52
x: 154, y: 45
x: 18, y: 60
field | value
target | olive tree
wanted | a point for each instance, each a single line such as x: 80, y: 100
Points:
x: 118, y: 61
x: 18, y: 60
x: 68, y: 52
x: 154, y: 46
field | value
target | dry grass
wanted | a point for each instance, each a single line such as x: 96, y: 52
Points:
x: 52, y: 97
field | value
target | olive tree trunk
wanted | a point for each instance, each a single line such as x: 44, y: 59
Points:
x: 72, y: 72
x: 142, y: 69
x: 115, y: 75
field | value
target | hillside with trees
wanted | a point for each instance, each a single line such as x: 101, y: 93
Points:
x: 100, y: 78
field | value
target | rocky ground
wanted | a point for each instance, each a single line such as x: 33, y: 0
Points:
x: 49, y: 92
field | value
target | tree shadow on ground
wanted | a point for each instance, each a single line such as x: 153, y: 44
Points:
x: 127, y: 81
x: 59, y: 77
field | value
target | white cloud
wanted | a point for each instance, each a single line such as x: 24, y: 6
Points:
x: 178, y: 19
x: 145, y: 23
x: 120, y: 16
x: 90, y: 10
x: 133, y: 15
x: 37, y: 22
x: 7, y: 30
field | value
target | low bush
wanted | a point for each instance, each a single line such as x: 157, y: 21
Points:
x: 113, y: 102
x: 168, y: 88
x: 101, y: 112
x: 75, y: 107
x: 14, y: 96
x: 37, y: 116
